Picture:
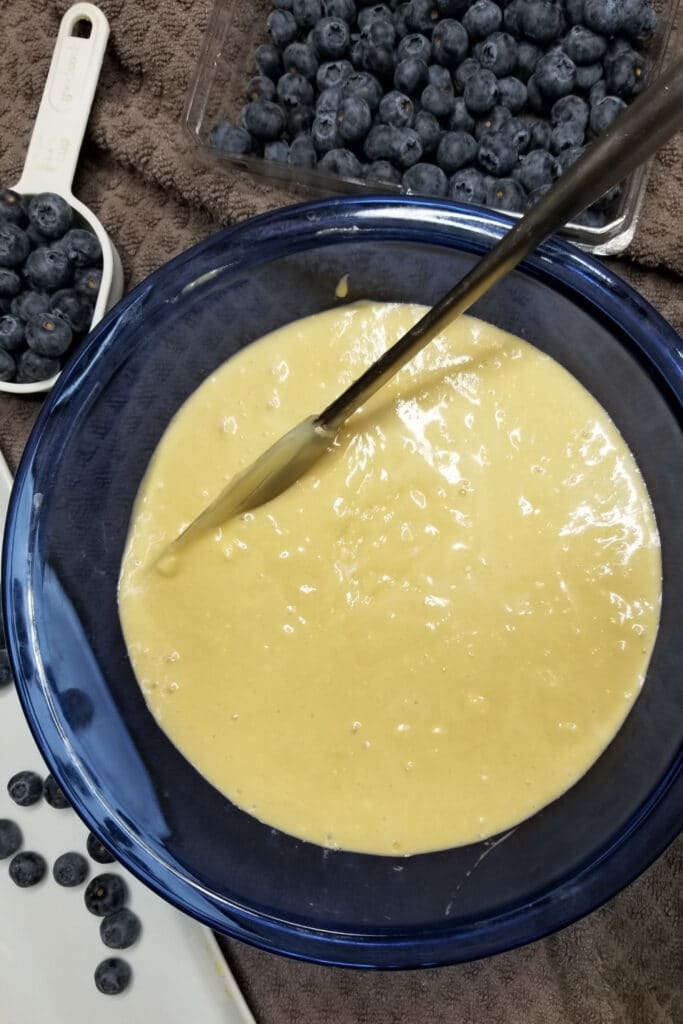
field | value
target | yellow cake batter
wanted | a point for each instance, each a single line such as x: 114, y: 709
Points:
x: 436, y: 631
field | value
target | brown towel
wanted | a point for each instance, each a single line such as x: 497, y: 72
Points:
x: 623, y: 964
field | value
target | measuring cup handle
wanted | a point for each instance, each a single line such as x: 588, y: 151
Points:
x: 67, y: 98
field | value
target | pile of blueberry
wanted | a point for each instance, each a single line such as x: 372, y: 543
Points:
x: 484, y: 101
x: 49, y: 280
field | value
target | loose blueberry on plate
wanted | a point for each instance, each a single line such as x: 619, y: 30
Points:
x: 54, y: 795
x: 105, y: 894
x: 70, y: 870
x: 98, y: 851
x: 25, y: 788
x: 50, y: 214
x: 112, y: 976
x: 120, y: 929
x: 10, y: 838
x: 27, y: 868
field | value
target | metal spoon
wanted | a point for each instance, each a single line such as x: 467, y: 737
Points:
x: 635, y: 135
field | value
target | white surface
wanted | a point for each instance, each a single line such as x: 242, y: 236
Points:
x: 56, y: 141
x: 50, y: 944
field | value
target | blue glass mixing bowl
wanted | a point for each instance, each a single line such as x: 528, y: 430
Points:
x: 66, y: 529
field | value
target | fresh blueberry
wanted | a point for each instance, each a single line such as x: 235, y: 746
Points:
x: 49, y: 336
x: 278, y: 151
x: 298, y: 57
x: 456, y: 150
x: 428, y: 130
x: 265, y: 120
x: 262, y: 88
x: 415, y: 45
x: 354, y: 119
x: 10, y: 283
x: 584, y: 46
x: 51, y: 214
x: 604, y: 16
x: 566, y: 136
x: 499, y: 54
x: 512, y: 19
x: 10, y: 838
x: 341, y: 162
x: 97, y: 850
x: 528, y: 56
x: 48, y: 269
x: 533, y: 197
x: 299, y: 120
x: 81, y: 247
x: 27, y: 868
x: 226, y: 138
x: 8, y: 370
x: 604, y: 113
x: 400, y: 20
x: 365, y: 86
x: 112, y: 976
x: 422, y: 16
x: 467, y: 186
x: 331, y: 38
x: 29, y: 304
x: 492, y: 122
x: 14, y: 245
x: 12, y: 331
x: 587, y: 75
x: 70, y: 870
x: 25, y: 788
x: 512, y: 94
x: 379, y: 60
x: 570, y: 108
x: 373, y: 13
x: 518, y: 132
x: 396, y: 108
x: 12, y: 207
x: 568, y: 157
x: 307, y: 13
x: 425, y: 179
x: 639, y: 21
x: 506, y: 194
x: 597, y: 93
x: 482, y: 18
x: 410, y: 76
x: 86, y: 282
x: 542, y: 21
x: 383, y: 172
x: 537, y: 168
x: 481, y: 92
x: 461, y: 120
x: 344, y: 9
x: 120, y: 929
x: 324, y: 132
x: 356, y: 52
x: 437, y: 101
x: 32, y: 367
x: 380, y: 143
x: 333, y: 73
x: 624, y: 75
x: 105, y: 894
x: 464, y: 71
x: 450, y: 43
x: 555, y: 75
x: 282, y: 28
x: 294, y: 90
x: 574, y: 11
x: 5, y: 670
x: 269, y: 61
x: 54, y: 795
x: 302, y: 152
x: 408, y: 148
x: 329, y: 100
x: 497, y: 154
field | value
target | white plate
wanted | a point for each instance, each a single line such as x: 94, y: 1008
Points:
x: 50, y: 944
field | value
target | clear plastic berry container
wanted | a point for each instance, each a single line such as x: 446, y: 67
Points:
x: 226, y: 64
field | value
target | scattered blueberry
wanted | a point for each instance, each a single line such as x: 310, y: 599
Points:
x: 32, y: 367
x: 302, y: 152
x: 112, y: 976
x: 332, y: 73
x: 227, y: 138
x: 497, y: 154
x: 12, y: 207
x: 416, y: 46
x: 426, y: 179
x: 492, y: 122
x: 14, y: 245
x: 555, y: 74
x: 499, y: 54
x: 10, y: 283
x: 341, y: 162
x: 27, y: 868
x: 120, y: 929
x: 298, y: 57
x: 455, y: 150
x: 49, y: 336
x: 12, y: 332
x: 604, y: 113
x: 428, y: 130
x: 366, y: 86
x: 587, y: 75
x: 8, y: 370
x: 450, y: 43
x: 265, y: 120
x: 461, y: 120
x: 410, y: 75
x: 422, y: 16
x: 54, y: 794
x: 269, y: 61
x: 528, y: 56
x: 481, y: 92
x: 10, y: 838
x: 50, y: 214
x: 512, y: 94
x: 70, y: 870
x: 282, y: 27
x: 397, y: 109
x: 638, y: 21
x: 262, y: 88
x: 505, y: 194
x: 382, y: 171
x: 105, y: 894
x: 467, y: 186
x: 537, y: 168
x: 25, y: 788
x: 87, y: 283
x: 603, y: 16
x: 97, y: 850
x: 542, y: 21
x: 482, y: 18
x: 464, y: 71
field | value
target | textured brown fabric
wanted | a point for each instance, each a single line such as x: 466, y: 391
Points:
x: 624, y: 963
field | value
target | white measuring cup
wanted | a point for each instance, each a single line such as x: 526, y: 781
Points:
x: 56, y: 141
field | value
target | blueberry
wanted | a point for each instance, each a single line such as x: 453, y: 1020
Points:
x: 512, y: 94
x: 12, y: 207
x: 449, y: 43
x: 345, y: 9
x: 105, y: 894
x: 81, y: 247
x: 294, y: 90
x: 14, y: 245
x: 354, y: 119
x: 584, y: 46
x: 299, y: 120
x: 538, y: 168
x: 113, y: 975
x: 307, y: 13
x: 5, y: 670
x: 324, y: 133
x: 542, y: 21
x: 492, y: 122
x: 518, y: 132
x: 27, y: 868
x: 120, y: 929
x: 10, y: 838
x: 382, y: 171
x: 512, y: 19
x: 380, y: 143
x: 329, y: 100
x: 481, y: 92
x: 428, y: 130
x: 570, y: 108
x: 12, y: 330
x: 461, y: 120
x: 506, y: 194
x: 497, y: 154
x: 400, y: 20
x: 50, y: 336
x: 574, y: 11
x: 499, y: 54
x: 456, y: 150
x: 604, y: 16
x: 54, y: 795
x: 333, y: 73
x: 29, y: 304
x: 366, y: 87
x: 464, y: 71
x: 437, y: 101
x: 226, y: 138
x: 261, y: 88
x: 624, y: 75
x: 467, y: 186
x: 533, y: 197
x: 566, y: 136
x: 10, y: 283
x: 277, y: 152
x: 528, y: 56
x: 452, y: 8
x: 264, y: 120
x: 425, y: 179
x: 282, y: 27
x: 70, y: 870
x: 410, y: 75
x: 342, y: 163
x: 587, y: 75
x: 415, y: 45
x: 567, y: 157
x: 98, y: 851
x: 356, y: 52
x: 482, y: 18
x: 48, y: 269
x: 32, y: 367
x: 331, y: 38
x: 604, y: 113
x: 422, y: 15
x: 8, y: 372
x: 86, y: 282
x: 597, y: 92
x: 51, y: 214
x: 269, y: 61
x: 555, y: 75
x: 25, y: 788
x: 408, y: 148
x: 379, y: 60
x: 373, y: 13
x: 638, y: 21
x: 397, y: 109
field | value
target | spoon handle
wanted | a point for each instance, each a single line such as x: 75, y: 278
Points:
x: 67, y: 98
x: 635, y: 135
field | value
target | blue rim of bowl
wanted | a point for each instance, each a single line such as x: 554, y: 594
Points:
x: 657, y: 822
